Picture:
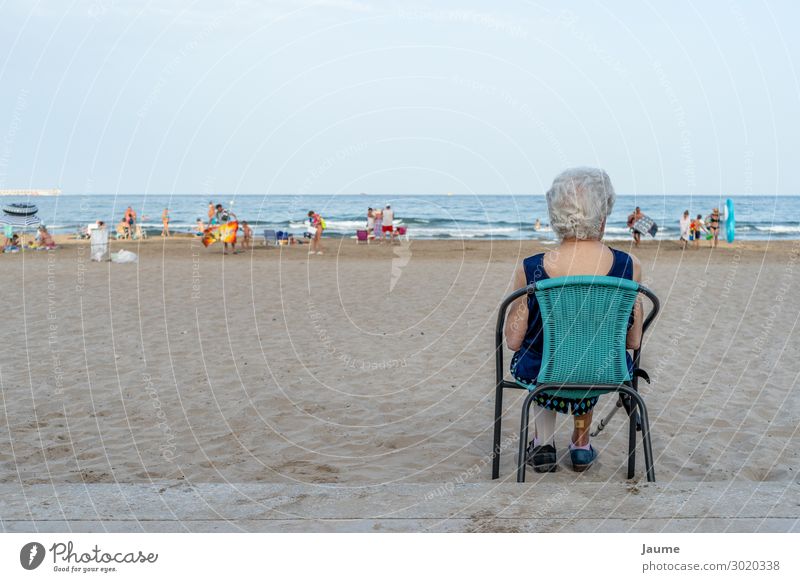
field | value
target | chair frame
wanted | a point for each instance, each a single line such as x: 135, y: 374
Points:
x: 629, y: 396
x: 270, y: 241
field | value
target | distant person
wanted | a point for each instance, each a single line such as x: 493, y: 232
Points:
x: 12, y: 244
x: 713, y: 226
x: 537, y: 226
x: 165, y: 223
x: 44, y: 238
x: 378, y: 228
x: 370, y: 222
x: 318, y: 223
x: 632, y: 218
x: 247, y: 239
x: 211, y: 212
x: 201, y: 228
x: 223, y: 216
x: 697, y: 228
x: 123, y: 230
x: 388, y: 222
x: 130, y: 219
x: 685, y: 224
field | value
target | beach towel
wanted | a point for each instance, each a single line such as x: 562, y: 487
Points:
x: 225, y: 232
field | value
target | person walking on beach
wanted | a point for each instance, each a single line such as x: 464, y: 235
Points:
x: 632, y: 218
x: 697, y: 228
x: 319, y: 225
x: 685, y: 224
x: 388, y: 222
x: 713, y: 226
x: 165, y: 223
x: 212, y: 211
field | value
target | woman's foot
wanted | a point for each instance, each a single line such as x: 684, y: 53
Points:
x: 541, y: 458
x: 582, y: 458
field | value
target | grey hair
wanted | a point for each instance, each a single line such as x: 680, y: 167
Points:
x: 578, y: 202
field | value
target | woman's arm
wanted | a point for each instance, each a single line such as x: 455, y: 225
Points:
x: 634, y: 339
x: 517, y: 315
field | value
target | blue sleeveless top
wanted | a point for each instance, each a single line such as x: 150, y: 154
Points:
x: 526, y: 362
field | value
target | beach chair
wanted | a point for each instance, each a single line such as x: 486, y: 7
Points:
x: 402, y: 231
x: 585, y: 323
x: 270, y: 238
x: 362, y: 236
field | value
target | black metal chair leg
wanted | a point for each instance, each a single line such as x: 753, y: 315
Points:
x: 647, y: 445
x: 631, y: 442
x: 523, y: 436
x: 498, y: 419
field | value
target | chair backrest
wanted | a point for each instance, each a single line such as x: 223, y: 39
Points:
x: 402, y: 230
x: 361, y: 235
x: 269, y: 236
x: 585, y: 323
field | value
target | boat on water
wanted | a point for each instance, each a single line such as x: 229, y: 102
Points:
x: 31, y: 192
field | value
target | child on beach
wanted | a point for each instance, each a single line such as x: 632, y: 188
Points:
x: 248, y: 235
x: 685, y: 224
x: 697, y: 228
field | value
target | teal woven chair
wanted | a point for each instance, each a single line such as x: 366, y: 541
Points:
x: 585, y: 325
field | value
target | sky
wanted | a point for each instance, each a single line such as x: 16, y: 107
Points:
x: 350, y: 96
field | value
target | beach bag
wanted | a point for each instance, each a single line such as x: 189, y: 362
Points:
x: 124, y: 256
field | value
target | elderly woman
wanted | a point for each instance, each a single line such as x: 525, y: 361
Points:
x: 579, y: 202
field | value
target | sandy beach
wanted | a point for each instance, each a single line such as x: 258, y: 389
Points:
x: 367, y: 365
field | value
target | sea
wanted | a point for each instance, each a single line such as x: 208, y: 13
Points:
x: 496, y: 217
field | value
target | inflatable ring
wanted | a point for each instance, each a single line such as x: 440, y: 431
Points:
x: 730, y: 221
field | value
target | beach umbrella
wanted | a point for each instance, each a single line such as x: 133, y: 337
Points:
x: 17, y: 221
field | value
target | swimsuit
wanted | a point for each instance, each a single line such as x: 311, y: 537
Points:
x: 525, y: 363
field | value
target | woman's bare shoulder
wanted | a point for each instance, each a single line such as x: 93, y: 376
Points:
x: 637, y: 267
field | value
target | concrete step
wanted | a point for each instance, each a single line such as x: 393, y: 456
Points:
x: 737, y: 506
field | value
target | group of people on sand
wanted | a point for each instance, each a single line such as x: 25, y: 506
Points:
x: 12, y: 242
x: 692, y: 230
x: 380, y: 224
x: 218, y: 214
x: 129, y: 227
